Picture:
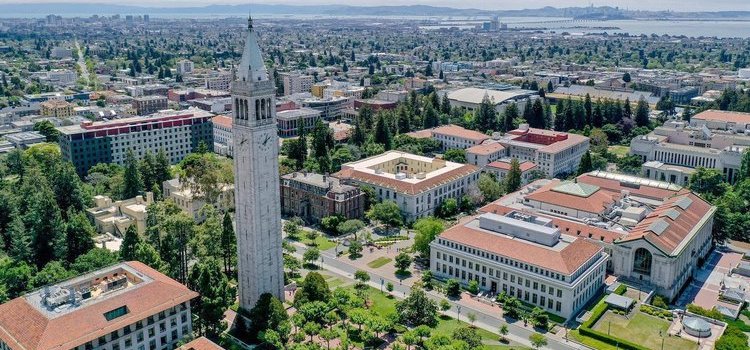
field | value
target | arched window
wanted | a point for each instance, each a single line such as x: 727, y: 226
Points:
x: 236, y: 108
x: 257, y: 110
x: 263, y: 108
x: 268, y: 107
x: 245, y: 110
x: 642, y: 261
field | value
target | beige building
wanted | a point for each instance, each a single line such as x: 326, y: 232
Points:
x: 655, y: 233
x: 485, y: 153
x: 127, y: 306
x: 56, y: 108
x: 553, y: 152
x: 417, y: 184
x: 115, y: 217
x: 189, y: 203
x: 524, y: 256
x: 296, y: 83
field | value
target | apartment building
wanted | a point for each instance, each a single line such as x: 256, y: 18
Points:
x: 553, y: 152
x: 177, y: 132
x: 218, y: 80
x: 712, y: 139
x: 56, y: 108
x: 223, y: 143
x: 289, y: 120
x: 146, y: 105
x: 116, y: 217
x: 185, y: 67
x: 296, y: 83
x: 656, y: 233
x: 125, y: 306
x: 417, y: 184
x: 522, y: 255
x: 313, y: 196
x: 484, y: 154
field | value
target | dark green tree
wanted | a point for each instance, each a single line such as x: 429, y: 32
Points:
x: 268, y: 313
x: 513, y: 179
x: 383, y: 132
x: 133, y: 184
x: 47, y: 129
x: 417, y: 309
x: 80, y: 236
x: 216, y: 295
x: 228, y: 244
x: 585, y: 165
x: 486, y: 116
x: 312, y: 288
x: 641, y: 113
x: 130, y: 243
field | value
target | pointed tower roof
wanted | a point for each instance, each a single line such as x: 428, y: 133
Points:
x: 251, y: 66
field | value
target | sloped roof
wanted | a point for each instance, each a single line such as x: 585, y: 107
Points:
x: 565, y: 261
x: 24, y: 327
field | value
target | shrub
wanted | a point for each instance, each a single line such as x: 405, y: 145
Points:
x: 621, y: 289
x: 713, y: 313
x: 659, y: 301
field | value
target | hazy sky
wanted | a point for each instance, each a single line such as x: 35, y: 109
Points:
x: 679, y: 5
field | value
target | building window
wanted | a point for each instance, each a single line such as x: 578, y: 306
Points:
x: 642, y: 262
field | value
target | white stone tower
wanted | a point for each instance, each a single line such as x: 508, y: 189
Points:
x: 256, y: 178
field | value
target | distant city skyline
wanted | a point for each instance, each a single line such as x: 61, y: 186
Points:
x: 673, y: 5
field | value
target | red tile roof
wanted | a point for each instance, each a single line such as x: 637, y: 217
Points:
x: 403, y: 186
x: 457, y: 131
x: 22, y: 326
x: 550, y: 141
x: 485, y: 149
x: 525, y: 165
x: 420, y: 134
x: 724, y: 116
x: 677, y: 229
x: 201, y: 343
x: 597, y: 202
x: 565, y: 261
x: 222, y: 120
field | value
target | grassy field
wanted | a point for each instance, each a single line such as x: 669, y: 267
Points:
x: 379, y: 262
x: 619, y: 151
x: 321, y: 242
x: 642, y: 329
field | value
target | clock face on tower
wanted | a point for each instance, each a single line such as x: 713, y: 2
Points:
x: 264, y: 142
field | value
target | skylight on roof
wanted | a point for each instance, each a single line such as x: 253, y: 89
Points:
x: 658, y: 227
x: 673, y: 214
x: 576, y: 188
x: 684, y: 202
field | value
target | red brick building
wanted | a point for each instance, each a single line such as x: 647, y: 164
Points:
x: 313, y: 196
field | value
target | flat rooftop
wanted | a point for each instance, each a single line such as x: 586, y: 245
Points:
x: 70, y: 313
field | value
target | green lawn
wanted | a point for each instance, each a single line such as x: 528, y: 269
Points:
x: 619, y: 151
x: 379, y: 262
x: 641, y: 329
x: 321, y: 242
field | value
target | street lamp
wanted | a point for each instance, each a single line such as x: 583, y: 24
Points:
x: 458, y: 308
x: 381, y: 285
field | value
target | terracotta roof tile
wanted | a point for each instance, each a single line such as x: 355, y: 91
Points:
x: 222, y: 120
x: 525, y: 165
x: 24, y: 327
x: 565, y: 261
x: 485, y: 148
x: 725, y: 116
x: 457, y: 131
x: 201, y: 343
x: 405, y: 187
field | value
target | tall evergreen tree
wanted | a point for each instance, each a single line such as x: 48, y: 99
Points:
x: 486, y: 116
x: 513, y: 180
x: 559, y: 122
x: 383, y: 133
x: 585, y: 166
x: 627, y: 110
x: 597, y: 119
x: 511, y: 113
x: 133, y: 184
x: 20, y: 243
x: 80, y: 236
x: 641, y: 113
x: 588, y: 109
x: 130, y: 243
x: 431, y: 119
x: 445, y: 105
x: 537, y: 115
x: 162, y: 169
x: 404, y: 120
x: 216, y: 295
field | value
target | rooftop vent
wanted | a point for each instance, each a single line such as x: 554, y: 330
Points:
x: 400, y: 176
x: 684, y: 202
x: 658, y: 227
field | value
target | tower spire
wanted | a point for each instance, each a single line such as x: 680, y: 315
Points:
x: 250, y: 20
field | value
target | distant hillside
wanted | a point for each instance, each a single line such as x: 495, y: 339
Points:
x: 602, y: 12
